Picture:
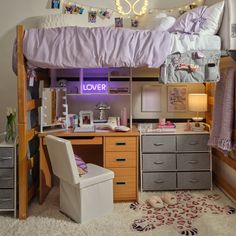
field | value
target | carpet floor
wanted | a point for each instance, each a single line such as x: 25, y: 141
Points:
x: 47, y: 220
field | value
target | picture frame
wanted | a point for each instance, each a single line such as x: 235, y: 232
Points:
x: 151, y: 98
x: 86, y: 118
x: 177, y: 98
x: 118, y: 22
x: 55, y: 4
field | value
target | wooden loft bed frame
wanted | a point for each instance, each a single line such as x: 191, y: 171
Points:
x: 26, y: 164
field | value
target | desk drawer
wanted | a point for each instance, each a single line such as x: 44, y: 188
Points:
x: 82, y: 140
x: 125, y: 144
x: 155, y: 162
x: 125, y: 184
x: 164, y: 143
x: 6, y: 198
x: 6, y: 178
x: 159, y: 181
x: 194, y: 180
x: 6, y: 157
x: 193, y: 161
x: 192, y: 142
x: 121, y: 159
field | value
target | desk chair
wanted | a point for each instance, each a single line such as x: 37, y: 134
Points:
x: 85, y: 197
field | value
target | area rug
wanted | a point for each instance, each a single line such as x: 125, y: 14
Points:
x: 181, y: 215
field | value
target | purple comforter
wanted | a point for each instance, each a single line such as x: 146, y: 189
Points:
x: 78, y: 47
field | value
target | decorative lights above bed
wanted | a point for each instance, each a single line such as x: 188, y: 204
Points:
x: 126, y: 8
x: 132, y: 7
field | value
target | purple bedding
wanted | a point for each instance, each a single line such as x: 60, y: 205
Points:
x: 78, y: 47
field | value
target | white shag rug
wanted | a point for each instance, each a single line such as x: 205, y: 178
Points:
x: 47, y: 220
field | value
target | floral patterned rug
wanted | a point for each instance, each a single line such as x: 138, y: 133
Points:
x: 181, y: 215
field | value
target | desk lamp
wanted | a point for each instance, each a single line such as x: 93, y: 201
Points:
x: 197, y: 102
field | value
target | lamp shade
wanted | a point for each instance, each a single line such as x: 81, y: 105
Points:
x: 197, y: 102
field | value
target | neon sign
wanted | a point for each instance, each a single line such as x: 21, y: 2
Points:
x: 90, y: 87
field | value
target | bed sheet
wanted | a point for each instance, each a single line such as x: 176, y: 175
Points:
x: 184, y: 43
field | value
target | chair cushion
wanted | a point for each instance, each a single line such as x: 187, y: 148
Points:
x: 96, y: 174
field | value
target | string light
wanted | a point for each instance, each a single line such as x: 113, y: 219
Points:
x: 120, y: 8
x: 131, y: 9
x: 143, y: 9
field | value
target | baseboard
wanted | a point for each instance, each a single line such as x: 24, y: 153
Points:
x: 225, y: 187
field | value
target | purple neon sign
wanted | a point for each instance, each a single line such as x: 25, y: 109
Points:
x: 89, y: 87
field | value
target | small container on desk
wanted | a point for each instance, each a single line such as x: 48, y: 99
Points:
x: 8, y: 175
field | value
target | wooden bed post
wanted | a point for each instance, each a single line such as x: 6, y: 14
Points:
x: 22, y: 127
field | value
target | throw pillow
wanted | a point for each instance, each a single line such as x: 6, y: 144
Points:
x: 213, y: 16
x: 189, y: 22
x: 81, y: 165
x: 159, y: 22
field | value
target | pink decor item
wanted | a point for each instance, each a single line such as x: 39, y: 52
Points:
x: 123, y: 120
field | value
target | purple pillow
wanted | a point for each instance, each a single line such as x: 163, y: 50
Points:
x: 82, y: 167
x: 190, y: 22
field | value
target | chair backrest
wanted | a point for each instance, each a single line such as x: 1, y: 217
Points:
x: 62, y: 159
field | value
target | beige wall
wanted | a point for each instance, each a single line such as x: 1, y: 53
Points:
x: 14, y: 12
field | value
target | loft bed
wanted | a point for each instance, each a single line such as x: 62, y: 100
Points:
x: 29, y: 101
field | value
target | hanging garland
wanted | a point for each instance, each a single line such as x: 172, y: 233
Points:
x: 73, y: 7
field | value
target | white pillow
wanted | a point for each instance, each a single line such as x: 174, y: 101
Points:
x: 213, y: 15
x: 160, y: 22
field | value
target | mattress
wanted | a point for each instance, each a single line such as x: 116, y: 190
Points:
x: 184, y: 43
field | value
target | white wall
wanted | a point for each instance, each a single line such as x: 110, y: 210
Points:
x: 14, y: 12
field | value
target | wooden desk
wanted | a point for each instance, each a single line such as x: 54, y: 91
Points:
x: 120, y: 154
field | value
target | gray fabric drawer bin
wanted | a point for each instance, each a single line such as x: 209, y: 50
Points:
x: 158, y: 143
x: 159, y: 181
x: 6, y: 178
x: 194, y: 180
x: 157, y: 162
x: 6, y: 198
x: 193, y: 161
x: 192, y: 142
x: 6, y: 157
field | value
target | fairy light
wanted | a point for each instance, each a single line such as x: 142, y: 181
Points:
x: 131, y: 8
x: 120, y: 8
x: 143, y: 9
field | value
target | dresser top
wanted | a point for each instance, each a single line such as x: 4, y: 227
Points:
x: 150, y: 129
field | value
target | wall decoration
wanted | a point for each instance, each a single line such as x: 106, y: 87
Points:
x: 177, y: 98
x: 132, y: 7
x: 92, y: 16
x: 86, y: 118
x: 134, y: 23
x: 151, y: 98
x: 55, y: 4
x: 104, y: 14
x: 118, y: 22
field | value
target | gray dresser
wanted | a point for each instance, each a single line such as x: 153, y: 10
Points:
x: 174, y: 161
x: 7, y: 176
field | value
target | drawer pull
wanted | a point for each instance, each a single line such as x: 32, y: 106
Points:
x: 6, y: 178
x: 158, y: 163
x: 120, y: 143
x: 193, y: 162
x: 5, y: 199
x: 120, y: 159
x: 159, y: 181
x: 194, y: 180
x: 5, y: 158
x: 120, y: 183
x: 194, y: 143
x: 158, y: 144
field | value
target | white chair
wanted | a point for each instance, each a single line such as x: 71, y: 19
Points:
x: 81, y: 198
